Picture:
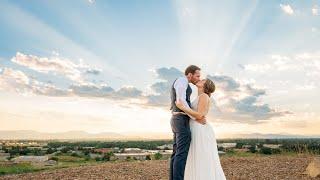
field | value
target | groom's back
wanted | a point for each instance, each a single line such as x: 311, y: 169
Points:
x: 173, y: 95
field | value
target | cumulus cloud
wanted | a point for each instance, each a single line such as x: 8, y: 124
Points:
x: 18, y: 81
x: 233, y: 101
x: 56, y: 65
x: 161, y: 95
x: 240, y: 102
x: 286, y: 8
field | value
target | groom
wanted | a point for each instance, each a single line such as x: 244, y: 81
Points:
x: 180, y: 122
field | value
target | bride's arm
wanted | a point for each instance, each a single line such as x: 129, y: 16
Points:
x: 202, y: 107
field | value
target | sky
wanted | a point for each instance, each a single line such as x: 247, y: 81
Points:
x: 107, y: 65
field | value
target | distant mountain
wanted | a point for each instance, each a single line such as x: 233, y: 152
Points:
x: 78, y: 135
x: 272, y: 136
x: 28, y: 134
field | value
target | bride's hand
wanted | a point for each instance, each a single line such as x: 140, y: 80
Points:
x: 202, y: 120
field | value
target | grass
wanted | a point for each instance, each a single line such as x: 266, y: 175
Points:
x: 64, y: 161
x: 18, y: 168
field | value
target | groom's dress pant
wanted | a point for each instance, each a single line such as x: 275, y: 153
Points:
x: 181, y: 143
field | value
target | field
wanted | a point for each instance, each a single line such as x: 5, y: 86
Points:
x: 235, y: 167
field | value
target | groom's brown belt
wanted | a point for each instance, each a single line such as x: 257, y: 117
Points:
x: 178, y: 113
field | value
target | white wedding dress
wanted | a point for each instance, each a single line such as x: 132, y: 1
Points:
x: 203, y: 162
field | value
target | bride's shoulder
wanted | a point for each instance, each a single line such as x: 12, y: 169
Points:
x: 204, y: 96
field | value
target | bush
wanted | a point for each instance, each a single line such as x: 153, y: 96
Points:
x: 276, y: 151
x: 230, y: 151
x: 239, y: 145
x: 54, y: 158
x: 157, y: 156
x: 75, y: 154
x: 252, y: 149
x: 107, y: 156
x: 265, y: 150
x: 98, y: 159
x: 128, y: 158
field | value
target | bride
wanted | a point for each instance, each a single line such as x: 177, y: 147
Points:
x: 203, y: 161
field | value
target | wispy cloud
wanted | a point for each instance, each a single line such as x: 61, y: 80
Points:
x: 286, y: 8
x: 315, y: 10
x: 91, y: 1
x: 306, y: 63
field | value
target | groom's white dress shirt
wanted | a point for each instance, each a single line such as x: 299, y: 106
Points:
x: 181, y: 86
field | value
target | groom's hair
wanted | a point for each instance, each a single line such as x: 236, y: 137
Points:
x: 191, y: 69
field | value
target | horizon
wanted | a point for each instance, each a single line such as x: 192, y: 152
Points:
x: 110, y: 68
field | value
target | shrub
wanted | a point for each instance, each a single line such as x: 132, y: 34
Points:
x: 157, y: 156
x: 54, y: 158
x: 252, y: 149
x: 265, y: 150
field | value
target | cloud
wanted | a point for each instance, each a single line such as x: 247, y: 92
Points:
x: 315, y: 10
x: 161, y: 90
x: 286, y: 8
x: 56, y: 65
x: 307, y: 63
x: 105, y: 91
x: 91, y: 1
x: 129, y: 91
x: 91, y: 90
x: 240, y: 102
x: 18, y: 81
x: 232, y: 101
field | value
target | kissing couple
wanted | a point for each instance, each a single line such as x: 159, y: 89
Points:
x: 195, y: 153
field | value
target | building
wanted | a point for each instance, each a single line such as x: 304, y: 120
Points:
x: 31, y: 159
x: 93, y: 156
x: 272, y: 146
x: 103, y: 150
x: 227, y: 145
x: 132, y: 150
x: 4, y: 156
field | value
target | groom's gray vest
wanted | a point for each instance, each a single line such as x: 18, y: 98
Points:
x: 174, y: 96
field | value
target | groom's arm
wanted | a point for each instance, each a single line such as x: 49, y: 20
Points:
x: 181, y: 86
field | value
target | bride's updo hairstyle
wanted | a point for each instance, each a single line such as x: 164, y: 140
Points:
x: 209, y: 87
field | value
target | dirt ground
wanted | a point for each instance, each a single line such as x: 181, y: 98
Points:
x: 255, y: 168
